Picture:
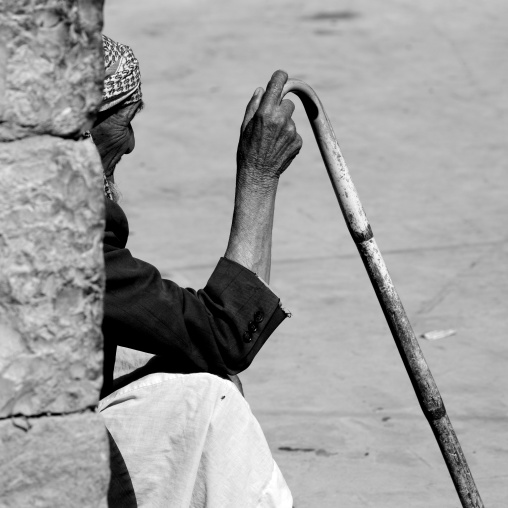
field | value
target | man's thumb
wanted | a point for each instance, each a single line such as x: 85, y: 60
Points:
x: 252, y: 107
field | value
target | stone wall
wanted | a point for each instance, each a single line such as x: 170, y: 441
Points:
x: 53, y: 446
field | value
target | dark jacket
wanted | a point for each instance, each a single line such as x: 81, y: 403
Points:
x: 218, y: 329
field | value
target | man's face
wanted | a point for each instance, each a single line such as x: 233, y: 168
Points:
x: 113, y: 135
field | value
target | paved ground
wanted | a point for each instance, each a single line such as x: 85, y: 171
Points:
x: 417, y: 95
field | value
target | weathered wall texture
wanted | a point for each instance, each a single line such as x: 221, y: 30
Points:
x: 53, y: 447
x: 51, y: 75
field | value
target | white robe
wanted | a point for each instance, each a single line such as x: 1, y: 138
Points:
x: 191, y: 440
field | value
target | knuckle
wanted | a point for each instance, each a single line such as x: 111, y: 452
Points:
x: 291, y: 128
x: 270, y: 117
x: 261, y: 114
x: 264, y: 110
x: 280, y: 119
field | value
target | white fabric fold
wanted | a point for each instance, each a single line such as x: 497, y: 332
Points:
x: 191, y: 440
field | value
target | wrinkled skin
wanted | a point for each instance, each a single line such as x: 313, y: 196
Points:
x: 113, y: 135
x: 268, y: 144
x: 268, y: 139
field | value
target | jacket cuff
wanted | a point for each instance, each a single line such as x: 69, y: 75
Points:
x: 254, y: 307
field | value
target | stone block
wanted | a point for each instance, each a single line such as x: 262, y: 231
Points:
x: 51, y: 276
x: 51, y: 69
x: 54, y: 461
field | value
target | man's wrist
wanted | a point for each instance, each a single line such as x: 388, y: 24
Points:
x: 256, y: 180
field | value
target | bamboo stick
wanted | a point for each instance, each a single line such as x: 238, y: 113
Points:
x: 419, y: 373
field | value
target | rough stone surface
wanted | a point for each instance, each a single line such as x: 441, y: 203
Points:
x: 53, y: 461
x: 50, y: 276
x: 53, y: 448
x: 50, y: 73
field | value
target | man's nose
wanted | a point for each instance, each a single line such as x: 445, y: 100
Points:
x: 132, y: 141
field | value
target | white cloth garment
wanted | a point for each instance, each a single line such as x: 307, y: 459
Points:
x: 191, y: 440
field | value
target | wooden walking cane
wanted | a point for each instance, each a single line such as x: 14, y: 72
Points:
x: 421, y: 378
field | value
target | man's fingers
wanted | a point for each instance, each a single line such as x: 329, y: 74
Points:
x: 287, y: 107
x: 274, y: 88
x: 252, y: 107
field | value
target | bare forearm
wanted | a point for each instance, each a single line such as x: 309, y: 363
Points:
x: 268, y: 143
x: 250, y: 241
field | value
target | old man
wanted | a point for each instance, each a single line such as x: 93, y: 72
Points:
x: 185, y: 432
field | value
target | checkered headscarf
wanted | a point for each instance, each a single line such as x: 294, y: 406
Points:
x: 122, y: 81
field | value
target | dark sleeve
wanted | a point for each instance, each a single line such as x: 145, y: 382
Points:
x: 218, y: 329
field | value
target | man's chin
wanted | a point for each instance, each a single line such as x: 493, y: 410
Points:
x: 111, y: 167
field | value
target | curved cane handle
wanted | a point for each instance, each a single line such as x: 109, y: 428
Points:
x: 343, y: 186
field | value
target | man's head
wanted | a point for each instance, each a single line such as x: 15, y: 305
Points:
x: 112, y: 132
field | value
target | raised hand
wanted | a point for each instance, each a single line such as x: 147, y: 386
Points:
x: 268, y: 138
x: 268, y: 144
